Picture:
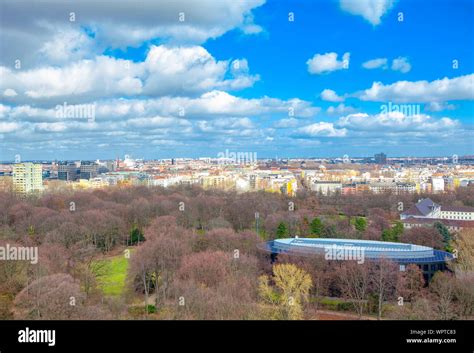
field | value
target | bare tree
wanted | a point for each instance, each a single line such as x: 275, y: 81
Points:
x: 154, y: 264
x: 427, y: 236
x: 54, y: 297
x: 383, y: 280
x: 166, y: 254
x: 464, y: 293
x: 140, y: 272
x: 443, y: 287
x: 354, y: 280
x: 410, y: 283
x: 216, y: 285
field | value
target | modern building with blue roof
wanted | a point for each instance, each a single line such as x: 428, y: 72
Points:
x: 428, y: 259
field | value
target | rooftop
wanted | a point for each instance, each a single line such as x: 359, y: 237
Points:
x: 457, y: 209
x: 373, y: 250
x: 422, y: 208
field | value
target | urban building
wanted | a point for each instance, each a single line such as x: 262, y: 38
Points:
x: 27, y: 178
x: 67, y: 171
x: 463, y: 213
x: 424, y: 208
x: 426, y: 213
x: 393, y: 187
x: 437, y: 184
x: 380, y: 158
x: 450, y: 224
x: 326, y: 187
x: 429, y: 260
x: 88, y: 170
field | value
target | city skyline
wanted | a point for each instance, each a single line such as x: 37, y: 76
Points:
x: 454, y: 159
x: 275, y: 78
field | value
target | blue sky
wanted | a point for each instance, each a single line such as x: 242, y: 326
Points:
x: 238, y: 76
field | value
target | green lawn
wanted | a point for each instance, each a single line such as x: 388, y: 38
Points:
x: 111, y: 274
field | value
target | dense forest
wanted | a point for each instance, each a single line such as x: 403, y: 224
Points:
x: 189, y: 253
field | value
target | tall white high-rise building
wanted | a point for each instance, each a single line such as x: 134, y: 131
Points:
x: 437, y: 184
x: 27, y: 178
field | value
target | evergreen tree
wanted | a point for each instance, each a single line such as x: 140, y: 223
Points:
x: 282, y: 231
x: 360, y: 224
x: 316, y: 227
x: 397, y: 231
x: 441, y: 228
x: 136, y: 235
x: 394, y: 233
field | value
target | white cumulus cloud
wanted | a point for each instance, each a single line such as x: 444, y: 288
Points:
x: 401, y: 64
x: 166, y: 70
x: 445, y: 89
x: 321, y: 129
x: 330, y: 96
x: 379, y: 63
x: 45, y: 27
x: 325, y: 63
x: 370, y: 10
x: 395, y: 122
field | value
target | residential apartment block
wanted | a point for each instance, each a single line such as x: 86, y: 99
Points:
x: 27, y: 178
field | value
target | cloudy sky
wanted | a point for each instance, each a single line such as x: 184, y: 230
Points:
x: 90, y: 79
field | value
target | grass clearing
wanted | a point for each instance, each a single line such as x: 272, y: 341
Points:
x: 111, y: 274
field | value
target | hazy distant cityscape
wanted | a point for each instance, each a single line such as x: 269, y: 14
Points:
x: 244, y: 172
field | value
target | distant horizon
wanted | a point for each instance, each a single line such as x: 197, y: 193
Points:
x: 215, y: 157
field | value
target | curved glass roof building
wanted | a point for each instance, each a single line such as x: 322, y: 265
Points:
x: 361, y: 250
